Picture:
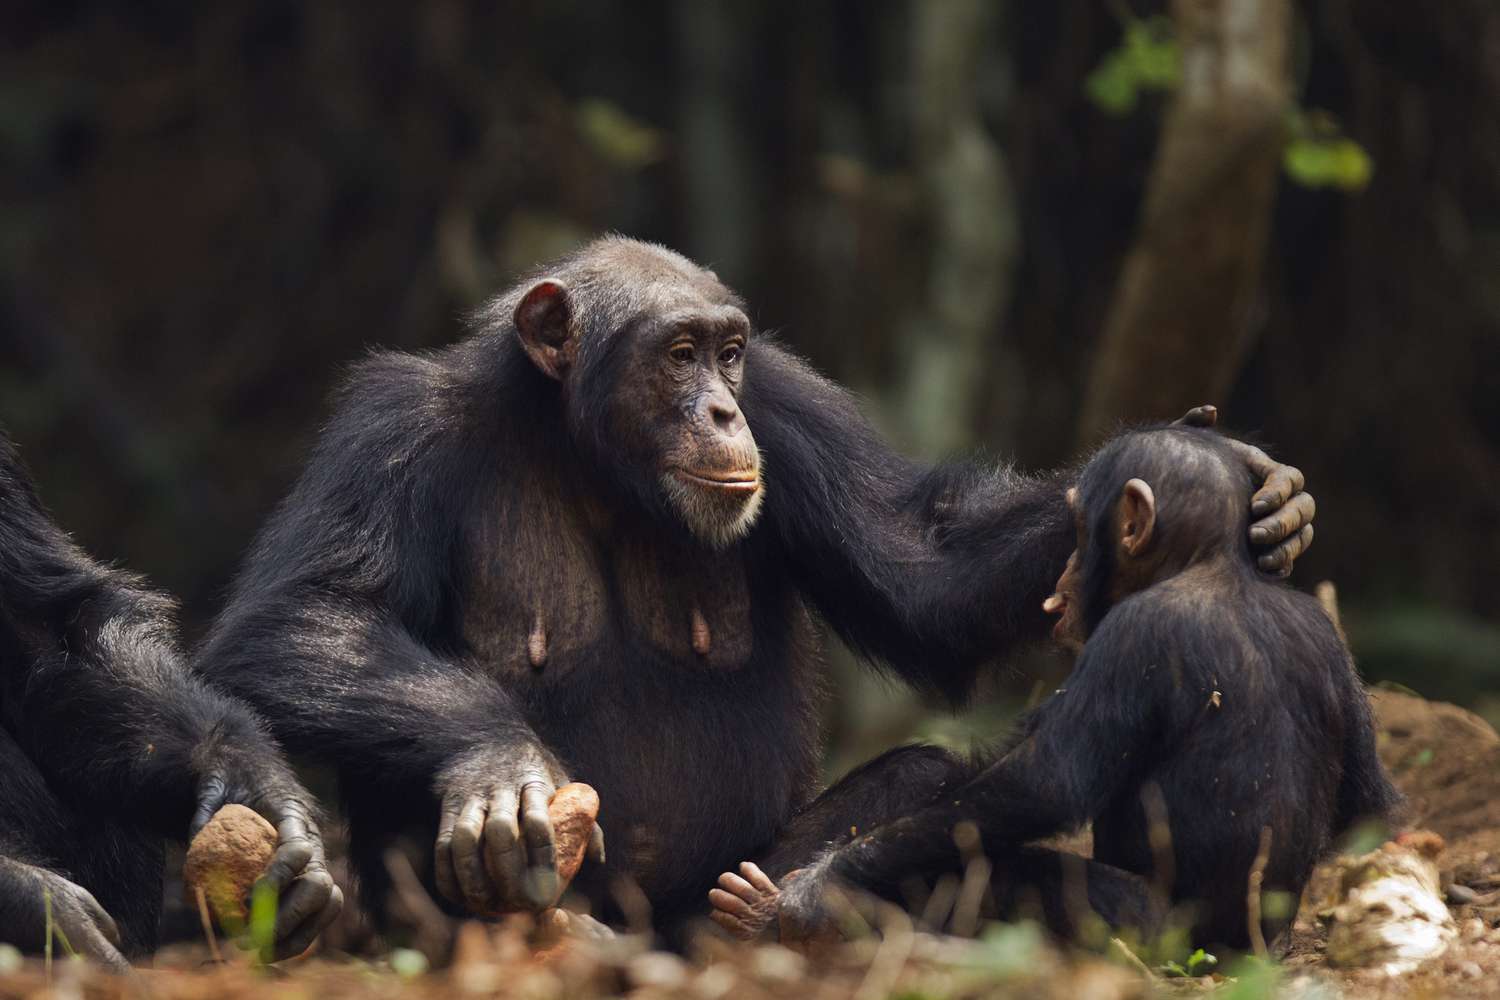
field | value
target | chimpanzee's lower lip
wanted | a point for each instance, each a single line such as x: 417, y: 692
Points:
x: 737, y: 481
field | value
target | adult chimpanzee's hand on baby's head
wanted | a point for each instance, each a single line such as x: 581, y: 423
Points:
x: 307, y: 898
x: 495, y: 850
x: 1285, y: 511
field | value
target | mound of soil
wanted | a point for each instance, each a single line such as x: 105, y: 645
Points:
x: 1446, y: 761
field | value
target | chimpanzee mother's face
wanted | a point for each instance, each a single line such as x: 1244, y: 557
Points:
x: 678, y: 396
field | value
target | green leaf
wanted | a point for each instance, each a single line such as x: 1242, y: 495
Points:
x: 408, y: 963
x: 1252, y: 979
x: 1278, y: 905
x: 1009, y: 949
x: 1364, y: 837
x: 1352, y: 166
x: 1308, y: 162
x: 617, y: 137
x: 1112, y: 86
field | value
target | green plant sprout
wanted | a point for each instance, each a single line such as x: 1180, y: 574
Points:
x: 263, y: 922
x: 1198, y: 964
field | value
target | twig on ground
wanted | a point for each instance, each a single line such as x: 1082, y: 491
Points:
x: 1131, y: 958
x: 1252, y: 896
x: 208, y: 925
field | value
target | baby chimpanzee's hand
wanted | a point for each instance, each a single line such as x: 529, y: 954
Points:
x: 745, y: 904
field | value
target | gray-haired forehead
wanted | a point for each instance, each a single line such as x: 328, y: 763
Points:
x: 614, y: 278
x: 723, y: 317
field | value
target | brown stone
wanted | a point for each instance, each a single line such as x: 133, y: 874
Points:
x: 573, y: 810
x: 226, y: 858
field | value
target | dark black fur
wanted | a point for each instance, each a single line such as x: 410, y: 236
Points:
x: 106, y: 740
x: 346, y: 623
x: 1230, y: 692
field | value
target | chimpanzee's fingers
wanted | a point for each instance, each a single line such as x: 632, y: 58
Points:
x: 1279, y: 560
x: 468, y: 862
x: 301, y: 937
x: 1279, y: 482
x: 542, y: 881
x: 734, y: 927
x: 100, y: 917
x: 1286, y: 521
x: 595, y: 852
x: 442, y: 852
x: 305, y: 899
x: 1199, y: 416
x: 503, y: 854
x: 734, y: 885
x: 293, y: 851
x: 729, y: 903
x: 211, y: 796
x: 751, y: 871
x: 92, y: 942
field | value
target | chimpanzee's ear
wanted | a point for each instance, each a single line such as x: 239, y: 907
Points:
x: 544, y: 319
x: 1136, y: 516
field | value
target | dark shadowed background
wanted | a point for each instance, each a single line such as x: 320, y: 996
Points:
x: 207, y: 210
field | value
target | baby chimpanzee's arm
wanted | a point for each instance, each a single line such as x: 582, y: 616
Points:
x: 1090, y: 742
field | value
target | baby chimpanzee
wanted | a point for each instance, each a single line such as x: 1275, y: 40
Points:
x: 1207, y: 697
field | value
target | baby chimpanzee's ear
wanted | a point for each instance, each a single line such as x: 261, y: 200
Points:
x: 1136, y: 517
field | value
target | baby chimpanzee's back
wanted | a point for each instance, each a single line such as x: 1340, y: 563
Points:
x: 1262, y: 722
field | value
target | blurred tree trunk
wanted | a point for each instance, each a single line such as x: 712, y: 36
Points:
x: 1184, y: 311
x: 966, y: 192
x: 718, y: 161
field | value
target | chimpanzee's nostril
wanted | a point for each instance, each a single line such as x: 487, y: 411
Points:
x: 726, y: 416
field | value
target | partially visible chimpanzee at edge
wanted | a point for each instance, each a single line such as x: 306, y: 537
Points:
x: 108, y: 747
x: 589, y: 542
x: 1206, y: 695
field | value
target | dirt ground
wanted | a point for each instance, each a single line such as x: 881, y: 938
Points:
x: 1446, y: 761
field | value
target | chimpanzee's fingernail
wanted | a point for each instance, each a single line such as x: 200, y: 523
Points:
x: 1260, y: 535
x: 1260, y: 507
x: 541, y: 886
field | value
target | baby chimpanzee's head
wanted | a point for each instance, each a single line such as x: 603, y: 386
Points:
x: 1148, y: 505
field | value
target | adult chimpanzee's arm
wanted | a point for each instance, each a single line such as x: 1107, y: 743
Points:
x: 934, y: 570
x: 930, y: 570
x: 96, y: 694
x: 339, y: 630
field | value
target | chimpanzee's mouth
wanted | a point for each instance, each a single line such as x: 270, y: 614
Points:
x: 730, y: 481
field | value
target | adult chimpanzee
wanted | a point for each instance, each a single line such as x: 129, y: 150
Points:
x: 1207, y: 697
x: 589, y: 541
x: 108, y: 746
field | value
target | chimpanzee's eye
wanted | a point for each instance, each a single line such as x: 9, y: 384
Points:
x: 681, y: 353
x: 730, y: 354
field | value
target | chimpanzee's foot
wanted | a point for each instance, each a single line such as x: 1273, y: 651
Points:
x: 745, y: 904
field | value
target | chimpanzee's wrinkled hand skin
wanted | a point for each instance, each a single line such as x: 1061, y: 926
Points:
x: 803, y: 913
x: 1284, y: 510
x: 75, y: 913
x: 308, y: 899
x: 494, y: 851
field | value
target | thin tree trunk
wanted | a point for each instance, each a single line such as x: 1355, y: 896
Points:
x: 1185, y: 310
x: 968, y: 195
